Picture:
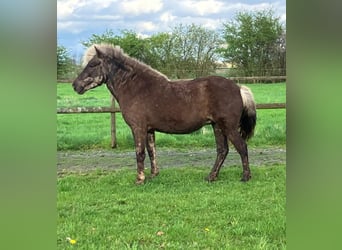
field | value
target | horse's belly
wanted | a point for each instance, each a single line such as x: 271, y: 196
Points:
x: 180, y: 118
x: 179, y: 126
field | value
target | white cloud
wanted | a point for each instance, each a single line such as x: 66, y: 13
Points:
x: 64, y: 25
x: 283, y: 18
x: 72, y: 27
x: 106, y: 17
x: 212, y: 24
x: 204, y: 7
x: 247, y: 7
x: 101, y: 4
x: 66, y: 8
x: 79, y: 19
x: 146, y: 26
x: 81, y: 8
x: 167, y: 17
x: 138, y: 7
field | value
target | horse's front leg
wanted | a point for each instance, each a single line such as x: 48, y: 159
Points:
x: 151, y: 149
x: 140, y: 140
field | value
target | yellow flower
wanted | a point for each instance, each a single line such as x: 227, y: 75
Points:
x: 206, y: 229
x: 72, y: 241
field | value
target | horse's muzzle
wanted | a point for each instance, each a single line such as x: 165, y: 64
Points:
x: 77, y: 85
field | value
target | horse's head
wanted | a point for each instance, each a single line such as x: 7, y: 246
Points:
x: 95, y: 73
x: 104, y: 63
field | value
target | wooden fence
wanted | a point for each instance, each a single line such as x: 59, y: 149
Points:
x: 258, y: 79
x: 112, y: 110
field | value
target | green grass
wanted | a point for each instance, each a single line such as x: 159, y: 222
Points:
x: 176, y: 210
x: 91, y: 131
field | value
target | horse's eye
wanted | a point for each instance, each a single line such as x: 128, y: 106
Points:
x: 94, y: 63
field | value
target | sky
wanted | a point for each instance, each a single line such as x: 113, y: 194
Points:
x: 77, y: 20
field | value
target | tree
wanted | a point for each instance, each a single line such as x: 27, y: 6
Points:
x: 185, y: 52
x: 64, y: 62
x: 193, y: 50
x: 128, y: 40
x: 159, y: 52
x: 255, y: 44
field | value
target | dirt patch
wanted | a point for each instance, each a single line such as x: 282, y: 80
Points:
x: 79, y: 161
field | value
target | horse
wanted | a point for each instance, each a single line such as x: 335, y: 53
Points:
x: 150, y: 102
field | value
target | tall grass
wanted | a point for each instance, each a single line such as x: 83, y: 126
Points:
x: 89, y: 131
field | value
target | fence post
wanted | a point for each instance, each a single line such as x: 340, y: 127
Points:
x: 112, y: 123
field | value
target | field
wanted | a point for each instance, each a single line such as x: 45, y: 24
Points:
x: 92, y: 131
x: 177, y: 210
x: 99, y: 207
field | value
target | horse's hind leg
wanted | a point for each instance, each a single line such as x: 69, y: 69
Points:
x: 222, y: 151
x: 151, y: 149
x: 241, y: 147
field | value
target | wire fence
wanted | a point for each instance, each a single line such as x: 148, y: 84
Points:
x: 270, y: 75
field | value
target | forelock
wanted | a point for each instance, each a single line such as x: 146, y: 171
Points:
x: 105, y: 48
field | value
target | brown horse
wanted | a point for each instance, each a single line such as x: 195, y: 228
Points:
x: 150, y: 102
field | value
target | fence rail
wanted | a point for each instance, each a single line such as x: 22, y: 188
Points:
x: 239, y: 79
x: 80, y: 110
x: 258, y: 79
x: 271, y: 106
x: 112, y: 110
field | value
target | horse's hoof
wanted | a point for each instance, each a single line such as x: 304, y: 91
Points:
x: 151, y: 176
x: 246, y: 178
x: 211, y: 178
x: 154, y: 175
x: 139, y: 182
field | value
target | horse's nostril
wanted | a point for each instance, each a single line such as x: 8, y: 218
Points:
x: 74, y: 86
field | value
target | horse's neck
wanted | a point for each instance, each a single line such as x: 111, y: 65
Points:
x: 128, y: 84
x: 112, y: 90
x: 121, y: 84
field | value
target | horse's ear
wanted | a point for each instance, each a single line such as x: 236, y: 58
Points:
x: 99, y: 53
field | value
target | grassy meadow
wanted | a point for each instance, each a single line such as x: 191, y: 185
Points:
x: 92, y: 131
x: 176, y: 210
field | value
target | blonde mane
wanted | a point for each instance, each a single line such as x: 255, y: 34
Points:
x: 117, y: 53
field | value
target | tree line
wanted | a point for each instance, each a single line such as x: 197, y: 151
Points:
x: 253, y: 44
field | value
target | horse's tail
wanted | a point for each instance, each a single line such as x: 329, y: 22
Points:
x: 248, y: 116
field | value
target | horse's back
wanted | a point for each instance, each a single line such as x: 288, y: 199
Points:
x: 209, y: 84
x: 200, y: 101
x: 219, y: 90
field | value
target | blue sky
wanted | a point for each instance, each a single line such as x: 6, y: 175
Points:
x: 77, y: 20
